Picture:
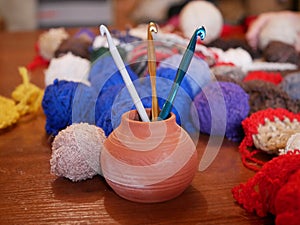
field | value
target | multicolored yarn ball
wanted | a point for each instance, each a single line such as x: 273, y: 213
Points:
x: 66, y: 102
x: 265, y: 95
x: 104, y: 73
x: 221, y: 107
x: 272, y: 77
x: 290, y: 85
x: 76, y: 152
x: 137, y: 55
x: 270, y: 191
x: 197, y: 75
x: 266, y: 130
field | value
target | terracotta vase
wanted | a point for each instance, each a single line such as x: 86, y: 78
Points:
x: 148, y: 161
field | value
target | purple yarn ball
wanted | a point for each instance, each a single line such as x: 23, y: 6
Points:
x: 226, y: 119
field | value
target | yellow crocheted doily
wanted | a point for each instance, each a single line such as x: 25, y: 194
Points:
x: 26, y: 98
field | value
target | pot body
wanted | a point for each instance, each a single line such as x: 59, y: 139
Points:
x: 148, y: 161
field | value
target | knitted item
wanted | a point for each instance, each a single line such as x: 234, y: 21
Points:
x: 267, y: 129
x: 209, y: 102
x: 288, y: 200
x: 290, y: 85
x: 272, y: 77
x: 265, y: 192
x: 76, y: 152
x: 68, y: 67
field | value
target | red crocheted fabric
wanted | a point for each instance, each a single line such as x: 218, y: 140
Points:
x: 273, y: 77
x: 250, y: 126
x: 287, y: 203
x: 272, y: 189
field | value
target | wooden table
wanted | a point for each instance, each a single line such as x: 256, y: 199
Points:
x: 29, y: 194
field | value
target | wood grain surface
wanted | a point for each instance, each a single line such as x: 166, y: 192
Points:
x: 29, y: 194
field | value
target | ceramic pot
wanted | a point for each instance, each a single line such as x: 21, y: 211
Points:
x: 148, y: 161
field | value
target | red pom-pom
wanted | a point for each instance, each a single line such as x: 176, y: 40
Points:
x: 272, y: 77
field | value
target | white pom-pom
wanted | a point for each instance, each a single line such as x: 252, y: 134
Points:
x: 49, y: 42
x: 201, y: 13
x: 68, y: 67
x: 76, y: 152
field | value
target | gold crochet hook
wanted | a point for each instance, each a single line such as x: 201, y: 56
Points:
x: 152, y: 27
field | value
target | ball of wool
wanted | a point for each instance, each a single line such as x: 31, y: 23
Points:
x: 272, y: 77
x: 201, y: 13
x: 122, y: 102
x: 277, y: 29
x: 68, y: 67
x: 65, y: 102
x: 76, y: 152
x: 197, y: 75
x: 265, y: 95
x: 137, y: 55
x: 277, y: 51
x: 208, y: 104
x: 290, y: 85
x: 104, y: 73
x: 49, y: 41
x: 76, y: 45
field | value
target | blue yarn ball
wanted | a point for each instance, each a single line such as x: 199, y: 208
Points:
x: 221, y: 107
x: 67, y: 102
x: 290, y: 84
x: 104, y: 73
x: 119, y: 101
x: 197, y: 76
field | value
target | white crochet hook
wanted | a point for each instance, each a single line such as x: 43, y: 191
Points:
x: 120, y: 64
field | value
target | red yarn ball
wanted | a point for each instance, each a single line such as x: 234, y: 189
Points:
x: 272, y: 77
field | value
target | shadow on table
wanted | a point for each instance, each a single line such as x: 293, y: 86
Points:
x: 90, y: 190
x: 182, y: 208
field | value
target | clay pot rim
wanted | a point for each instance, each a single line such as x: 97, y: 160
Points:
x: 130, y: 116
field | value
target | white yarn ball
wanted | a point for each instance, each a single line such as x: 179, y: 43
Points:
x: 68, y: 67
x: 201, y: 13
x: 49, y: 41
x: 277, y: 29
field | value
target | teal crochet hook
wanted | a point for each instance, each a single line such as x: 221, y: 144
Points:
x: 181, y: 71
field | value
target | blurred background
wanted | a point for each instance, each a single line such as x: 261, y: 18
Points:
x: 32, y: 14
